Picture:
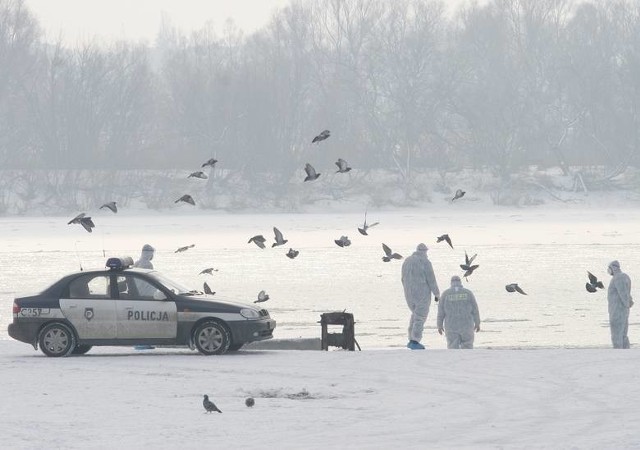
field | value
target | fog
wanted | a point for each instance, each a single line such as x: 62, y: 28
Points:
x: 514, y: 95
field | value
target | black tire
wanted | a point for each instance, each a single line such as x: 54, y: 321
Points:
x: 81, y: 349
x: 235, y: 347
x: 211, y: 338
x: 56, y: 340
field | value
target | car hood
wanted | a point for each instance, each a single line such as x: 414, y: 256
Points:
x: 205, y: 303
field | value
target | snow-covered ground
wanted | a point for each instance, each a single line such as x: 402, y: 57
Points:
x: 393, y: 398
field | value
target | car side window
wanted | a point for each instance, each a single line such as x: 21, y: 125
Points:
x: 90, y: 286
x: 133, y: 287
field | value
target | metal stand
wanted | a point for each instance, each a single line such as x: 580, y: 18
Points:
x: 346, y: 339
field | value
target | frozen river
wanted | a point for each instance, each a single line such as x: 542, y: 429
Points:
x: 546, y: 251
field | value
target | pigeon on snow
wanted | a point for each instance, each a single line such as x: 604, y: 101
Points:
x: 111, y: 205
x: 209, y: 406
x: 321, y: 137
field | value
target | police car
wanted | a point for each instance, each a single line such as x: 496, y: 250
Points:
x: 126, y: 306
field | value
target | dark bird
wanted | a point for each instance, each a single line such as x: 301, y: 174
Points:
x: 467, y: 267
x: 513, y: 287
x: 365, y: 226
x: 262, y: 297
x: 249, y: 402
x: 343, y: 167
x: 292, y: 253
x: 590, y: 287
x: 187, y: 199
x: 83, y: 220
x: 198, y: 174
x: 468, y: 260
x: 388, y: 254
x: 207, y: 289
x: 259, y: 240
x: 446, y: 238
x: 211, y: 163
x: 322, y: 136
x: 343, y: 241
x: 311, y: 172
x: 593, y: 280
x: 459, y: 194
x: 280, y: 240
x: 209, y: 406
x: 185, y: 248
x: 111, y: 205
x: 208, y: 271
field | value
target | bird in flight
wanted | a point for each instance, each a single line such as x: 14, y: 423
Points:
x: 513, y: 287
x: 593, y: 284
x: 343, y: 241
x: 83, y: 220
x: 459, y: 194
x: 262, y: 297
x: 259, y: 240
x: 208, y: 271
x: 311, y: 172
x: 209, y: 406
x: 389, y: 254
x: 292, y: 253
x: 467, y: 267
x: 198, y: 174
x: 110, y: 205
x: 280, y: 240
x: 365, y: 226
x: 210, y: 162
x: 321, y: 137
x: 187, y: 199
x: 446, y: 238
x: 185, y: 248
x: 343, y: 167
x: 207, y: 289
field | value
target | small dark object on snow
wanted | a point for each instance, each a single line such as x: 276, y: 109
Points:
x: 249, y: 402
x: 209, y: 406
x: 446, y: 238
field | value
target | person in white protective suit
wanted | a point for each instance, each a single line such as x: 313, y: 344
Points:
x: 145, y: 257
x: 620, y: 301
x: 458, y: 315
x: 419, y: 282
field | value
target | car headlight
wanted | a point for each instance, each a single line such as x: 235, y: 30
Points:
x: 249, y: 313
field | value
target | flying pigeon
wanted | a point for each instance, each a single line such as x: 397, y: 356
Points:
x: 322, y: 136
x: 459, y: 194
x: 343, y: 167
x: 343, y: 241
x: 259, y: 240
x: 83, y: 220
x: 292, y: 253
x: 208, y: 271
x: 513, y: 287
x: 446, y: 238
x: 467, y: 267
x: 311, y: 172
x: 187, y: 199
x: 207, y: 289
x: 111, y: 205
x: 388, y: 254
x: 590, y: 287
x: 185, y: 248
x: 209, y: 406
x: 262, y: 297
x: 198, y: 174
x: 211, y: 162
x: 280, y: 240
x: 593, y: 280
x: 365, y: 226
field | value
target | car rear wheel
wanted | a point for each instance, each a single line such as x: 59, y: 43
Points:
x: 56, y: 340
x: 211, y: 338
x: 81, y: 349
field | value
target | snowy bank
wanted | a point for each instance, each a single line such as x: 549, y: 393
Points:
x: 116, y: 397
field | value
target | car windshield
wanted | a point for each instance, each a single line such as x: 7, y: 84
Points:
x: 174, y: 287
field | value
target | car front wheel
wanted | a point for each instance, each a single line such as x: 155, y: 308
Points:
x: 211, y: 338
x: 56, y: 340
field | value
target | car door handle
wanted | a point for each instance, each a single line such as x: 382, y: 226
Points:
x: 73, y: 306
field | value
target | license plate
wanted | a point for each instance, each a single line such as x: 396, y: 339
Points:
x: 34, y: 312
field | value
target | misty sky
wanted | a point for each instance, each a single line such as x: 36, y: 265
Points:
x: 79, y: 20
